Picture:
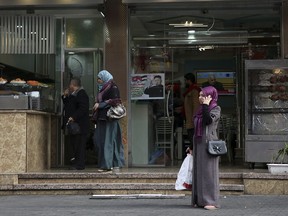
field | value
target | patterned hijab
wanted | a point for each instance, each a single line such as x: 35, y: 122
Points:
x: 107, y: 79
x: 209, y: 90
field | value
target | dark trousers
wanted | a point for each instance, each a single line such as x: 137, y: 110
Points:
x: 78, y: 144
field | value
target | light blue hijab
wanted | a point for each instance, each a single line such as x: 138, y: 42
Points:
x: 105, y: 76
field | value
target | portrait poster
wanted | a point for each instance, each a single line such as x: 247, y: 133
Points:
x: 147, y: 86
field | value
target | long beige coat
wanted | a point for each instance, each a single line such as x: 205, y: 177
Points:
x: 191, y: 105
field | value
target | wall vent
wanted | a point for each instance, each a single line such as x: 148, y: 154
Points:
x: 27, y: 34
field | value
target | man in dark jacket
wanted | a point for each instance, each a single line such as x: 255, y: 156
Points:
x: 76, y: 108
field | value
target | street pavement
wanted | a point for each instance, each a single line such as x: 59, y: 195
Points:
x: 58, y: 205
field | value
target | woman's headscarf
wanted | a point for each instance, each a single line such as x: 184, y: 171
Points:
x: 107, y: 79
x: 105, y: 76
x: 209, y: 90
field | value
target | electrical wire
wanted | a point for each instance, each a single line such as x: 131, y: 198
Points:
x: 211, y: 25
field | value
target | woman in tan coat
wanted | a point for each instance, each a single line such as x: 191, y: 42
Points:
x: 191, y: 104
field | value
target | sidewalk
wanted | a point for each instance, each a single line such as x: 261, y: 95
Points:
x: 84, y: 206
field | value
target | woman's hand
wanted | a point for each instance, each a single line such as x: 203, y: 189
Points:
x: 206, y: 100
x: 95, y: 107
x: 66, y: 92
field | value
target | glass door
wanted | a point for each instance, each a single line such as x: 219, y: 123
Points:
x: 84, y: 64
x: 79, y: 54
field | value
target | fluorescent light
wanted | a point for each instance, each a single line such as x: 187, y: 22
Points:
x: 188, y: 24
x: 203, y: 48
x: 103, y: 15
x: 210, y: 41
x: 191, y: 31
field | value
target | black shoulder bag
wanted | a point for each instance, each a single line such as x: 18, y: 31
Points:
x: 216, y: 147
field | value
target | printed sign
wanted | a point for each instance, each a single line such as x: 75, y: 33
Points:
x: 147, y: 86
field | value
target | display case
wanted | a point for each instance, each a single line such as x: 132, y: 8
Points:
x: 266, y: 108
x: 39, y: 97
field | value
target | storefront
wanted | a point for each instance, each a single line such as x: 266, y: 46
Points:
x: 208, y: 39
x: 42, y: 47
x: 144, y: 44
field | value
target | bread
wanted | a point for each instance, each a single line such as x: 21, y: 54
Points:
x: 17, y: 80
x: 2, y: 80
x: 33, y: 82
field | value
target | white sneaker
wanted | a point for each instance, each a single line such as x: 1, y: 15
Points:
x: 104, y: 170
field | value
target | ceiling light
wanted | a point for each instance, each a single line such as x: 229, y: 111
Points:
x: 188, y: 24
x: 203, y: 48
x: 212, y: 41
x: 101, y: 10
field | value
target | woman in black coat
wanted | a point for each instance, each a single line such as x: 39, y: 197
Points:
x: 76, y: 108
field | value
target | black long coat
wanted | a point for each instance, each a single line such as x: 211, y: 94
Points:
x: 77, y: 107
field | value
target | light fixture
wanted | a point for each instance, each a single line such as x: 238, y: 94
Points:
x: 203, y: 48
x: 212, y: 38
x: 101, y: 10
x: 278, y: 71
x: 210, y: 41
x: 191, y: 31
x: 188, y: 24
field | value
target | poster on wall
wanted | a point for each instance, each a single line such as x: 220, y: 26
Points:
x: 147, y: 86
x: 223, y: 81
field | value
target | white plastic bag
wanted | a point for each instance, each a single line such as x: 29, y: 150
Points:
x: 184, y: 177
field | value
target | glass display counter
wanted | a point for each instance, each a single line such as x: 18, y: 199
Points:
x: 266, y: 108
x: 40, y: 96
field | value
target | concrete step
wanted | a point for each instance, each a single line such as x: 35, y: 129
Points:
x: 106, y: 188
x: 107, y: 183
x: 41, y: 178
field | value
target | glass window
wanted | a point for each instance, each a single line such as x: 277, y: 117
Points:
x: 84, y: 32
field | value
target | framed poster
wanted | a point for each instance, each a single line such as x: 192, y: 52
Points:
x: 147, y: 86
x: 223, y: 81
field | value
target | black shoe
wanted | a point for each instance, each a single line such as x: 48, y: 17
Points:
x: 104, y: 170
x: 76, y: 168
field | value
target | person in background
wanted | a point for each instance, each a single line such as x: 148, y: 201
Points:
x: 191, y: 104
x: 205, y: 187
x: 156, y: 89
x: 107, y: 135
x: 213, y: 82
x: 76, y: 108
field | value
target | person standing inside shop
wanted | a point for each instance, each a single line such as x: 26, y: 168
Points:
x: 205, y: 187
x: 191, y: 104
x: 213, y: 82
x: 107, y: 135
x: 76, y: 108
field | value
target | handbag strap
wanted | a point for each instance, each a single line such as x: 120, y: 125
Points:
x: 206, y: 133
x: 206, y: 130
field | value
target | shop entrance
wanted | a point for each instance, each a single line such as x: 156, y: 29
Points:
x: 85, y: 64
x: 78, y: 54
